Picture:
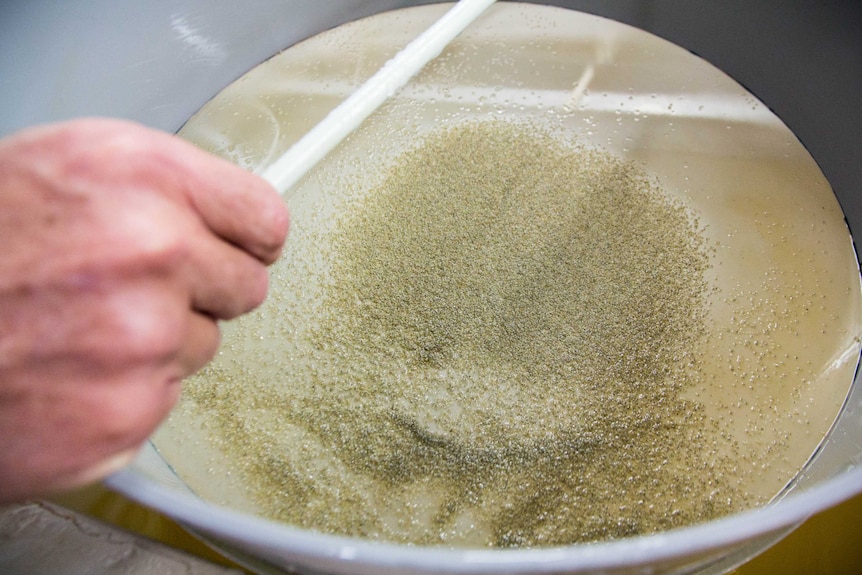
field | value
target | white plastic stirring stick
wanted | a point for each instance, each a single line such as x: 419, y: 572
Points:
x: 320, y: 140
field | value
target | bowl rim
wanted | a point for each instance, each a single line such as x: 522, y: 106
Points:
x: 295, y: 543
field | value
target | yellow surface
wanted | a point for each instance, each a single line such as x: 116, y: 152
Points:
x: 827, y: 544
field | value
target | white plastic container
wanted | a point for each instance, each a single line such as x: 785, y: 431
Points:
x: 158, y: 62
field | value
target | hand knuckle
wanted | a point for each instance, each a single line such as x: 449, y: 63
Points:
x: 145, y: 331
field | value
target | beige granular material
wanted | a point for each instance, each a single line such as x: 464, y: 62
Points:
x: 501, y: 358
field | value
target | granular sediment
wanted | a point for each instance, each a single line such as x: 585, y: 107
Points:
x: 500, y: 357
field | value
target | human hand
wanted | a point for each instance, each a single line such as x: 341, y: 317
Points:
x: 121, y: 249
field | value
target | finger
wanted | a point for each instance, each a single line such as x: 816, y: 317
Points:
x: 97, y: 471
x: 200, y: 345
x: 225, y: 281
x: 237, y: 206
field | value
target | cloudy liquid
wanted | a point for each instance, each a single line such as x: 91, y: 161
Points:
x: 783, y: 313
